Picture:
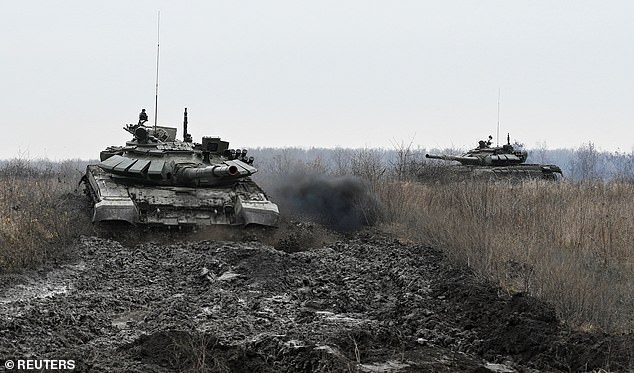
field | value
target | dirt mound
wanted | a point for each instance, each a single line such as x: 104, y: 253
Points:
x: 364, y: 302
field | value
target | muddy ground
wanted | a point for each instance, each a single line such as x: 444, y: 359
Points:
x: 303, y: 301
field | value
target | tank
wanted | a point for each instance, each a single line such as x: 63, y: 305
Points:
x: 157, y: 180
x: 503, y: 161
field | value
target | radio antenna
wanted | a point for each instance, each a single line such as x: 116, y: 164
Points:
x: 497, y: 136
x: 158, y: 35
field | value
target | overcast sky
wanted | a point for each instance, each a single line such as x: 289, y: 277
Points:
x: 350, y: 73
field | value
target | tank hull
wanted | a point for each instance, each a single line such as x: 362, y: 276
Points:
x: 116, y: 198
x: 521, y: 171
x: 515, y: 172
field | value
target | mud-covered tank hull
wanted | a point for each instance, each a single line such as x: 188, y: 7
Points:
x: 522, y: 171
x: 116, y: 199
x: 515, y: 172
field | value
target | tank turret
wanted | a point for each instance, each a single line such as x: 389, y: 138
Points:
x: 158, y: 180
x: 505, y: 160
x: 486, y: 155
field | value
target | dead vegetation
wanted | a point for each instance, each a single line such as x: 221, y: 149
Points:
x: 40, y: 212
x: 567, y: 243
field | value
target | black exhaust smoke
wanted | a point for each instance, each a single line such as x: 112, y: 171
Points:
x: 343, y: 203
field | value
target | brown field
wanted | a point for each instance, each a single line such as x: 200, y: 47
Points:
x: 571, y: 244
x: 40, y: 214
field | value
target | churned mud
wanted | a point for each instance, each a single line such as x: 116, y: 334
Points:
x: 363, y: 302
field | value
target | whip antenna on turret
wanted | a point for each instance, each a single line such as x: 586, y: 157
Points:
x: 497, y: 136
x: 158, y: 35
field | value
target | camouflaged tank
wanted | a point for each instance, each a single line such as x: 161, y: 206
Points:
x: 158, y: 180
x: 504, y: 162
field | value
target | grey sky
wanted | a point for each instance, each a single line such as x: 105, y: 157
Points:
x: 349, y: 73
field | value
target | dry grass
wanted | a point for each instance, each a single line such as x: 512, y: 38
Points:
x: 571, y: 244
x: 39, y: 215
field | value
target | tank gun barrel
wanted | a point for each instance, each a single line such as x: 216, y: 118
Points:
x: 461, y: 159
x: 225, y: 171
x: 230, y: 169
x: 195, y: 173
x: 438, y: 156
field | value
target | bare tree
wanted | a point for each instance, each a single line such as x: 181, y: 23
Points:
x: 542, y: 148
x: 585, y: 164
x: 405, y: 164
x: 368, y: 164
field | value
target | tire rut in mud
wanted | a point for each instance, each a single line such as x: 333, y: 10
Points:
x: 363, y: 303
